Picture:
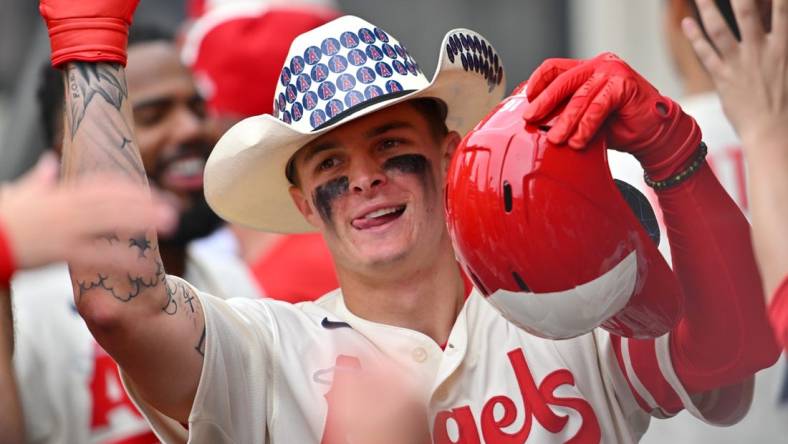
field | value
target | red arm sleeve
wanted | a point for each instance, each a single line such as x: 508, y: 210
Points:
x: 724, y: 335
x: 778, y: 312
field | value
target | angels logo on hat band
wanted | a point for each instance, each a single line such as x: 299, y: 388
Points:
x: 355, y: 68
x: 333, y: 74
x: 325, y: 81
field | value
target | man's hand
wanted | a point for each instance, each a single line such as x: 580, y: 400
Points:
x: 88, y: 30
x: 644, y: 123
x: 751, y: 77
x: 47, y: 222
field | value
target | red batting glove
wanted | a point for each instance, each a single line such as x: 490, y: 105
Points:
x: 646, y: 124
x: 88, y: 30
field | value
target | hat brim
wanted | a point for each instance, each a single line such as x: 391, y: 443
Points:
x: 245, y: 180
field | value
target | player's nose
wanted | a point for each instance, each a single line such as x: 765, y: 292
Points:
x: 366, y: 175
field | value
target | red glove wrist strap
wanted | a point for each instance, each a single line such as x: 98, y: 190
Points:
x: 683, y: 138
x: 7, y: 264
x: 88, y: 39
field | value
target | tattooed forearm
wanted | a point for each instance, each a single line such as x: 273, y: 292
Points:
x: 92, y: 85
x: 200, y: 347
x: 85, y: 80
x: 133, y: 309
x: 123, y: 291
x: 99, y: 138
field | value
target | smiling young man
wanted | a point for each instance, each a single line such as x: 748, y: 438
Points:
x: 358, y: 147
x: 373, y: 187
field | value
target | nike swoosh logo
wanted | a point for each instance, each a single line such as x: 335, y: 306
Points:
x: 331, y: 325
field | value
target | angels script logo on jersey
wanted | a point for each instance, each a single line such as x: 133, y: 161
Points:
x: 537, y: 401
x: 345, y: 413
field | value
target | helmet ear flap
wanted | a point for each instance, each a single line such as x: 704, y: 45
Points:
x: 642, y: 209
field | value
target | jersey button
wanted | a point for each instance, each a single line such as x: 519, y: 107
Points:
x: 419, y: 355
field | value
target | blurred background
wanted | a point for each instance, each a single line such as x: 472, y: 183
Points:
x: 525, y: 32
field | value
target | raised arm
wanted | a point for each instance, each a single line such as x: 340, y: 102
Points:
x: 151, y: 324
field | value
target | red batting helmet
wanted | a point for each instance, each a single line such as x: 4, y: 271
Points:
x: 546, y: 234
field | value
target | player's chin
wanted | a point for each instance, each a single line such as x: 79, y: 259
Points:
x: 380, y: 261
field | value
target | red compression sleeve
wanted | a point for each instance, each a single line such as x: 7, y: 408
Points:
x: 778, y: 312
x: 724, y: 335
x: 7, y: 265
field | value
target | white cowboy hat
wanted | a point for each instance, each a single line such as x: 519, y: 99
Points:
x: 333, y: 74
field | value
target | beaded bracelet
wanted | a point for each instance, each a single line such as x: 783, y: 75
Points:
x: 681, y: 176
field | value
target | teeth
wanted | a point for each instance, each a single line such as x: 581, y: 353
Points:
x: 188, y: 167
x: 382, y: 212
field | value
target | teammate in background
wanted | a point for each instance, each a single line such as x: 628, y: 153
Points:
x: 752, y: 79
x: 700, y: 100
x: 370, y: 179
x: 726, y: 158
x: 228, y: 48
x: 70, y: 387
x: 42, y: 222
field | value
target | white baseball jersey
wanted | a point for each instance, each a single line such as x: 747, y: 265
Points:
x: 272, y: 370
x: 70, y: 387
x: 766, y: 421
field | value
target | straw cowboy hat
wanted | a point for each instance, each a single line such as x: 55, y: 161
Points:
x: 333, y: 74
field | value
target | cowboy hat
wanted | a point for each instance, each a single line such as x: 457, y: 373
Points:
x: 333, y: 74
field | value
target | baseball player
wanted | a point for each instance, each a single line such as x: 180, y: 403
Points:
x: 28, y: 238
x: 359, y: 153
x: 751, y: 81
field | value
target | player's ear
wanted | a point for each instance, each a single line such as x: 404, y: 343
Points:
x: 301, y: 201
x: 450, y: 143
